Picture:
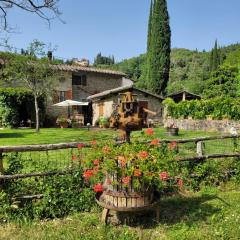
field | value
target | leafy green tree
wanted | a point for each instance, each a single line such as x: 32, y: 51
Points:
x: 45, y: 9
x: 33, y: 74
x: 223, y: 82
x: 102, y: 60
x: 159, y: 49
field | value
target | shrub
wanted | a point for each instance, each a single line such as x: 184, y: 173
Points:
x: 16, y: 106
x: 218, y: 108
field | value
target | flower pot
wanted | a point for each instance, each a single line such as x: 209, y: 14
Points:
x: 63, y: 125
x: 172, y: 131
x: 124, y: 197
x: 127, y: 201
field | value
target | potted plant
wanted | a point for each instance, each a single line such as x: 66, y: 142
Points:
x: 127, y: 176
x: 172, y: 130
x: 104, y: 122
x: 63, y: 122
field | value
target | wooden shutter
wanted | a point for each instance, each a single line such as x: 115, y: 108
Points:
x: 84, y: 80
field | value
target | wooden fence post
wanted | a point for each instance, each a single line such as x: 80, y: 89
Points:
x: 1, y: 164
x: 200, y: 148
x: 1, y: 168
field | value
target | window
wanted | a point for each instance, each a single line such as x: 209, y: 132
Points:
x: 62, y: 96
x: 79, y: 80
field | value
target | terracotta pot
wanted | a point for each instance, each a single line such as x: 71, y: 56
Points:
x: 63, y: 125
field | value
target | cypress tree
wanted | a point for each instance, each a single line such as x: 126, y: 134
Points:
x: 215, y: 57
x: 150, y: 26
x: 159, y: 49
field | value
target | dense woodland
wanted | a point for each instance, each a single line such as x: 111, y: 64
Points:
x: 192, y: 70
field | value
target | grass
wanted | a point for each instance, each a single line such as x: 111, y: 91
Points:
x: 210, y: 214
x: 213, y: 213
x: 57, y: 135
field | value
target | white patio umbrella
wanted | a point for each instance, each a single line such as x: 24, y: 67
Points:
x: 68, y: 103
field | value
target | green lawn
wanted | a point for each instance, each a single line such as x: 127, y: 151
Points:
x: 209, y: 214
x: 57, y: 135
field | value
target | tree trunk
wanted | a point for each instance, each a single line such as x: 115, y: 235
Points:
x: 37, y: 113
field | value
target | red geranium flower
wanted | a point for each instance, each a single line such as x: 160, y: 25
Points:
x: 137, y: 172
x: 74, y: 157
x: 96, y: 162
x: 126, y: 180
x: 87, y: 174
x: 172, y: 145
x: 180, y: 183
x: 106, y: 149
x: 143, y: 154
x: 93, y: 142
x: 164, y: 176
x: 155, y: 141
x: 122, y: 160
x: 149, y: 131
x: 98, y: 187
x: 80, y: 145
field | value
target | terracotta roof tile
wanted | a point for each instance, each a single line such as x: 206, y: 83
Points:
x: 72, y: 68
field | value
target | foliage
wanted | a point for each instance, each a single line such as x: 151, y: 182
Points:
x: 148, y: 166
x: 62, y: 195
x: 218, y: 108
x: 216, y: 57
x: 103, y: 122
x: 17, y: 106
x: 223, y: 82
x: 61, y: 120
x: 36, y: 75
x: 45, y: 9
x: 102, y: 60
x: 158, y: 55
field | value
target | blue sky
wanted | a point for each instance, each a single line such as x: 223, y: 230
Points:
x: 119, y: 28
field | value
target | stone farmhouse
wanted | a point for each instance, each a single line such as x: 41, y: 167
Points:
x: 78, y: 82
x: 104, y: 103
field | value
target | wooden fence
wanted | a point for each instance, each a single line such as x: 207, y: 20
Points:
x: 199, y: 144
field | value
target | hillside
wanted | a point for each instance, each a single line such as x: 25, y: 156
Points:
x: 189, y: 69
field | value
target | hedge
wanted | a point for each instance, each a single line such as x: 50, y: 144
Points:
x: 217, y: 108
x: 17, y: 107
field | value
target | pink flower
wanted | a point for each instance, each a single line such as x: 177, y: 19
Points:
x: 137, y: 172
x: 98, y: 187
x: 180, y: 183
x: 106, y: 149
x: 74, y: 157
x: 80, y: 145
x: 96, y: 162
x: 143, y: 154
x: 164, y: 176
x: 93, y: 142
x: 172, y: 145
x: 126, y: 180
x: 122, y: 160
x: 87, y: 174
x: 149, y: 131
x: 155, y: 141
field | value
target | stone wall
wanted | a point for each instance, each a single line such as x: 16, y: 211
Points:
x: 203, y: 125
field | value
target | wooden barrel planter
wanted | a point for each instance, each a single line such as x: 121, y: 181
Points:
x: 172, y: 131
x: 120, y: 199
